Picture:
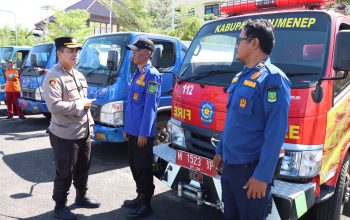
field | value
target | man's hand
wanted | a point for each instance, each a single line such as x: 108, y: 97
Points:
x: 142, y: 141
x: 92, y: 131
x: 87, y: 104
x: 125, y: 135
x: 218, y: 162
x: 256, y: 188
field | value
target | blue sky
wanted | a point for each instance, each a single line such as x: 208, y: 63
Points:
x: 28, y: 12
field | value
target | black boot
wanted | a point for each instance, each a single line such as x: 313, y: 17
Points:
x: 62, y: 212
x: 83, y: 201
x: 132, y: 203
x: 143, y: 210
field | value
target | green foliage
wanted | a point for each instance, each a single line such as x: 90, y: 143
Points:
x: 131, y: 15
x: 160, y: 13
x: 25, y: 37
x: 186, y: 25
x: 154, y: 16
x: 70, y: 23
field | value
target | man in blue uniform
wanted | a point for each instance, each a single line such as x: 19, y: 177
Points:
x: 140, y: 126
x: 255, y: 128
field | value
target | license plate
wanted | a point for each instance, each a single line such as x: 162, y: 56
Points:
x: 195, y: 162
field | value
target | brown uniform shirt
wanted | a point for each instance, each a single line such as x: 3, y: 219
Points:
x: 64, y: 94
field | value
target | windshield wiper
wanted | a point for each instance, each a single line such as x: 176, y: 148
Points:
x: 205, y: 74
x: 88, y: 73
x: 291, y: 74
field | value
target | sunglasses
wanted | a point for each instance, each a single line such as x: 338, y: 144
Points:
x: 238, y: 41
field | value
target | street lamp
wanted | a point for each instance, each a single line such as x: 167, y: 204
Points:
x: 14, y: 15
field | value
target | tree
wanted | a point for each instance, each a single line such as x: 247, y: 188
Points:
x: 160, y: 13
x: 131, y: 15
x: 186, y: 24
x: 70, y: 23
x: 25, y: 37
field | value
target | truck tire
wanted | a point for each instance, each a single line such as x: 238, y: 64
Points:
x: 47, y: 115
x: 332, y: 208
x: 162, y: 135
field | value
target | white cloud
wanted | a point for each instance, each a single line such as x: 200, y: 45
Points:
x: 28, y: 12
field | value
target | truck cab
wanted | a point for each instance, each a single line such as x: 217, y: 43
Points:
x: 41, y: 58
x: 16, y: 53
x: 109, y: 86
x: 314, y: 166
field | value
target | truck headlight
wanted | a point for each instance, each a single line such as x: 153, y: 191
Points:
x: 301, y: 163
x: 2, y: 88
x: 39, y: 94
x: 177, y: 135
x: 112, y: 114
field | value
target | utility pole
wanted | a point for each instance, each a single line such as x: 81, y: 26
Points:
x: 172, y: 15
x: 110, y: 16
x: 47, y: 8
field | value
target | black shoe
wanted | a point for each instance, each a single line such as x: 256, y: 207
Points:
x: 132, y: 203
x: 86, y: 202
x: 142, y: 211
x: 64, y: 214
x: 9, y: 117
x: 22, y: 117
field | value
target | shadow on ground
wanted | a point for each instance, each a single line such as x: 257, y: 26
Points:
x: 164, y: 207
x: 38, y: 167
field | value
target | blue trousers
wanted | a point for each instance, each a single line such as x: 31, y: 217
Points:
x: 237, y: 206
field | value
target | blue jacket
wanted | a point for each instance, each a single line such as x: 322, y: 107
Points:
x: 143, y: 100
x: 257, y: 119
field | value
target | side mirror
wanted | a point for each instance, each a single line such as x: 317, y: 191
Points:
x: 341, y: 63
x: 113, y: 58
x: 156, y: 55
x: 342, y: 52
x: 33, y: 60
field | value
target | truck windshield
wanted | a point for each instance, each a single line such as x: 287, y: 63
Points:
x: 301, y: 48
x: 5, y: 53
x: 42, y: 53
x: 93, y: 56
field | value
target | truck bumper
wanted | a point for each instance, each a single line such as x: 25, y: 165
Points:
x: 108, y: 134
x: 32, y: 106
x: 2, y: 96
x: 290, y: 200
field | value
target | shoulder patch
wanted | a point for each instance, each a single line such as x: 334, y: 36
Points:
x: 152, y: 87
x: 52, y: 82
x: 271, y: 96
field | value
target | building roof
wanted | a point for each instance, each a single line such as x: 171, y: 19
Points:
x: 97, y: 11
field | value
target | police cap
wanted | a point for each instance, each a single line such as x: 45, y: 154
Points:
x: 69, y: 42
x: 142, y: 43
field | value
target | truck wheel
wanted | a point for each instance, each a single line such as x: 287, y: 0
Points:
x: 332, y: 208
x: 47, y: 115
x: 162, y: 135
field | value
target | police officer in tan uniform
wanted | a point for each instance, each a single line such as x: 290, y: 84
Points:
x: 70, y: 130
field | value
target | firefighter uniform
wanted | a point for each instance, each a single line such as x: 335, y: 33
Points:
x: 69, y: 130
x: 255, y: 128
x: 140, y: 120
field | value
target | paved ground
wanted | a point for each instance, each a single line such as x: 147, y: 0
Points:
x: 27, y: 171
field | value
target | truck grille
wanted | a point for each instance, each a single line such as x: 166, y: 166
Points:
x: 198, y: 140
x: 95, y: 112
x: 28, y: 94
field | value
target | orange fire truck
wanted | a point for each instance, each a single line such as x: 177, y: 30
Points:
x: 313, y: 48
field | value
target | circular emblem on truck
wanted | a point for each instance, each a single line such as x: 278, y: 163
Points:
x: 207, y: 113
